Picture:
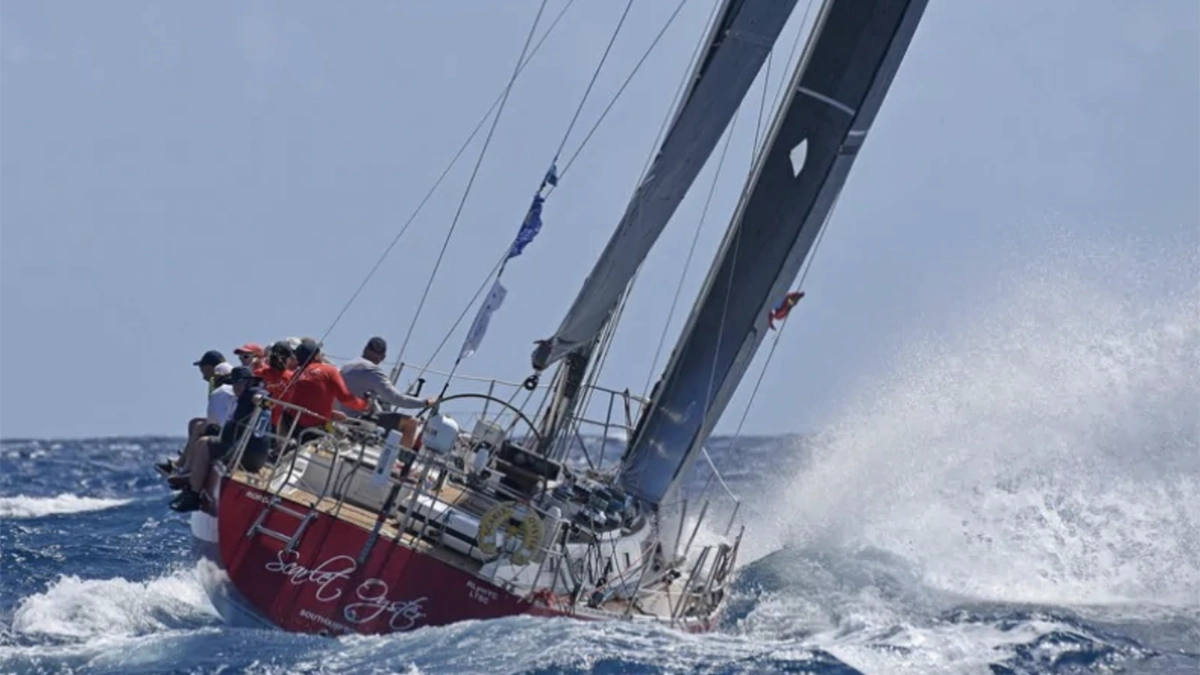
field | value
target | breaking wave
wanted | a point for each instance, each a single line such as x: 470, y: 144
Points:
x: 21, y: 506
x: 1042, y: 450
x: 86, y: 608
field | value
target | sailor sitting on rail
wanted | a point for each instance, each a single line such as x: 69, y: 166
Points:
x: 210, y: 448
x: 364, y: 377
x: 214, y: 369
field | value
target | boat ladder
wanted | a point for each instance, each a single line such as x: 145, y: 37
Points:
x: 303, y: 518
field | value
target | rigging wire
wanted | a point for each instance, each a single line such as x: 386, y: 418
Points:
x: 736, y: 244
x: 756, y: 152
x: 521, y: 64
x: 602, y: 355
x: 691, y: 252
x: 778, y: 334
x: 437, y: 183
x: 592, y: 82
x: 471, y: 181
x: 621, y: 90
x: 606, y: 338
x: 609, y: 334
x: 567, y: 134
x: 463, y: 314
x: 804, y: 271
x: 704, y: 213
x: 593, y: 374
x: 499, y: 268
x: 795, y: 45
x: 675, y: 101
x: 562, y: 173
x: 756, y: 156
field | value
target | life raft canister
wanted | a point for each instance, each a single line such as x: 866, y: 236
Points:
x: 528, y: 530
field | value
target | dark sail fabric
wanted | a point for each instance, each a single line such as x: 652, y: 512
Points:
x: 742, y: 38
x: 839, y: 85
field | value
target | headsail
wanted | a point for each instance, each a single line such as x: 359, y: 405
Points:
x: 743, y: 36
x: 839, y: 84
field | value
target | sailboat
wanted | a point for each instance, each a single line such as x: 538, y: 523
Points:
x: 349, y: 532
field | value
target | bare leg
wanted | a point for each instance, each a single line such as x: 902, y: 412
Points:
x: 195, y: 428
x: 408, y: 432
x: 185, y: 458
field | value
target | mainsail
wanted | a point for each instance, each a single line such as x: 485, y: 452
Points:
x: 852, y: 55
x: 743, y: 35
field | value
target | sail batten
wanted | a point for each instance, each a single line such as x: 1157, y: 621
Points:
x: 742, y: 37
x: 837, y: 88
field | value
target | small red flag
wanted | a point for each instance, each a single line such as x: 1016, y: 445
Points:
x: 781, y: 310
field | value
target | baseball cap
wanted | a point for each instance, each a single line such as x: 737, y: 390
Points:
x: 240, y: 373
x: 307, y: 349
x: 282, y: 348
x: 250, y: 348
x: 377, y: 345
x: 211, y: 358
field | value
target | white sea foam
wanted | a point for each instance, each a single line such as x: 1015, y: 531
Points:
x: 72, y: 607
x: 21, y: 506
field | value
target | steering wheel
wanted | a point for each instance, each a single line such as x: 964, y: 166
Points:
x: 486, y: 397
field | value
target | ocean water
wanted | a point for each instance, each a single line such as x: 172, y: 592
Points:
x: 1018, y: 493
x: 98, y: 578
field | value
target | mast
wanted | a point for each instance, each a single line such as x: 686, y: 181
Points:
x: 743, y: 35
x: 853, y: 53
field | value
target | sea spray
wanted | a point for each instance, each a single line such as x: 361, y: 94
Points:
x: 1043, y: 448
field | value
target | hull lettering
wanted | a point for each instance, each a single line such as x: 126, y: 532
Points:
x: 323, y: 576
x: 481, y: 594
x: 371, y: 596
x: 405, y: 614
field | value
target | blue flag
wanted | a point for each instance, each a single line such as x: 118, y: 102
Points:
x: 533, y: 219
x: 529, y: 228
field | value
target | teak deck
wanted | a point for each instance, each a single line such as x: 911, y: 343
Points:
x: 366, y: 519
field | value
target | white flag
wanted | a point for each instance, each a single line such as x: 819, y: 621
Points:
x: 479, y: 327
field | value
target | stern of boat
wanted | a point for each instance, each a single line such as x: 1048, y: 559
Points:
x: 348, y: 532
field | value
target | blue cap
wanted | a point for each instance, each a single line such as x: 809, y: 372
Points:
x: 211, y: 358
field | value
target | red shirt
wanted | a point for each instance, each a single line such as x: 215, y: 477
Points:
x: 315, y: 388
x: 275, y: 381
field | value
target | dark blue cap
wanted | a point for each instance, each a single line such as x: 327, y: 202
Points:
x: 211, y: 358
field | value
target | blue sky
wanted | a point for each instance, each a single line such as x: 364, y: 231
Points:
x: 178, y: 177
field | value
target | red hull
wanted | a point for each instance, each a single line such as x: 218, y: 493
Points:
x: 320, y: 587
